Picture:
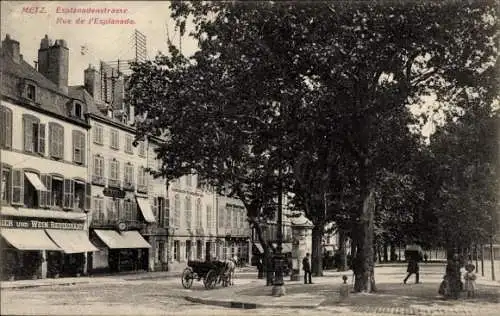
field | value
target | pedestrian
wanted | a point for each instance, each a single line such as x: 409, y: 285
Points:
x: 470, y: 280
x: 412, y: 269
x: 306, y: 266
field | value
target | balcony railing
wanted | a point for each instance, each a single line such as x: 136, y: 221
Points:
x: 142, y: 188
x: 114, y: 183
x: 98, y: 180
x: 128, y: 186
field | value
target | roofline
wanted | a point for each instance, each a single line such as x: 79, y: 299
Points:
x: 44, y: 111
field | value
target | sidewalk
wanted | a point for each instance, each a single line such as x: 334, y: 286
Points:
x: 391, y: 297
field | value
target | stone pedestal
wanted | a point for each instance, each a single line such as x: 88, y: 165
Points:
x: 302, y: 244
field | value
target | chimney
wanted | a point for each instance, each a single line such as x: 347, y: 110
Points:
x: 10, y: 47
x: 53, y: 61
x: 92, y: 81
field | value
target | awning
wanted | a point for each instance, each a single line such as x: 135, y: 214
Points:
x: 35, y: 180
x: 146, y: 210
x: 42, y: 213
x: 128, y: 239
x: 71, y: 241
x: 28, y: 239
x: 259, y: 247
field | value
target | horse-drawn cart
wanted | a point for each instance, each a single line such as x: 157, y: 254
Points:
x: 212, y: 273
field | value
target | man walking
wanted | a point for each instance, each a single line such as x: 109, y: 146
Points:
x: 412, y: 269
x: 306, y: 266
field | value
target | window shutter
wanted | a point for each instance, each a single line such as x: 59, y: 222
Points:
x: 60, y: 142
x: 77, y: 151
x: 17, y: 187
x: 82, y: 147
x: 88, y: 196
x: 41, y: 139
x: 166, y: 213
x: 42, y: 195
x: 6, y: 127
x: 48, y: 185
x: 28, y: 134
x: 111, y: 168
x: 155, y: 206
x: 67, y: 203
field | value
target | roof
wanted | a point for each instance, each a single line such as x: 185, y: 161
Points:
x: 23, y: 70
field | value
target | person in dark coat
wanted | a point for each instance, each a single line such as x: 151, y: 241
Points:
x: 306, y: 266
x: 412, y: 269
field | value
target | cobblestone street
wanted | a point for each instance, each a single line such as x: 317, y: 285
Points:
x: 165, y: 296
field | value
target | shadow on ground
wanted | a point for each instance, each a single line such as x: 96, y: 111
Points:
x: 388, y: 294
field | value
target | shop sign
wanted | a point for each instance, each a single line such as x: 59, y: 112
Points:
x: 40, y: 224
x: 114, y: 193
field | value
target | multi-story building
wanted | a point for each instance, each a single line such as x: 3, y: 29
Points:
x: 45, y: 190
x: 124, y: 201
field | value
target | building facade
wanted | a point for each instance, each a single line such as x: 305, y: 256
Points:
x: 45, y: 189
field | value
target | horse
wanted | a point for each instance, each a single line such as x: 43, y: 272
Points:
x: 230, y: 268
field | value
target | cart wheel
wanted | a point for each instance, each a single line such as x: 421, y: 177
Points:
x: 187, y: 278
x: 210, y: 279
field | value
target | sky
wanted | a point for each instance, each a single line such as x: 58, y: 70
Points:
x: 102, y: 42
x: 90, y: 43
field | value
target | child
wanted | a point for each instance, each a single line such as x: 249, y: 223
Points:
x: 470, y: 280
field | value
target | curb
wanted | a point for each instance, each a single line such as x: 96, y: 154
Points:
x: 27, y: 286
x: 244, y: 305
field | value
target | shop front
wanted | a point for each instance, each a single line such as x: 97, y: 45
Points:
x: 122, y: 251
x: 39, y: 247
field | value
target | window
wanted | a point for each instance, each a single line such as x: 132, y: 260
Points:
x: 17, y: 187
x: 198, y: 214
x: 77, y: 110
x: 209, y: 216
x: 46, y: 196
x: 114, y: 142
x: 113, y: 209
x: 188, y: 249
x: 114, y: 173
x: 6, y: 185
x: 69, y: 194
x: 130, y: 210
x: 99, y: 214
x: 98, y: 134
x: 229, y: 213
x: 31, y: 92
x: 57, y: 194
x: 222, y: 211
x: 161, y: 207
x: 236, y: 217
x: 142, y: 185
x: 34, y: 135
x: 142, y: 149
x: 128, y: 144
x: 79, y: 195
x: 188, y: 211
x: 161, y: 251
x: 56, y: 140
x: 5, y: 127
x: 177, y: 250
x: 177, y: 211
x: 78, y: 147
x: 128, y: 177
x: 98, y: 170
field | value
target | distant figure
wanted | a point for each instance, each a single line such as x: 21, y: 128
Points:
x: 412, y: 269
x: 470, y: 280
x: 306, y: 266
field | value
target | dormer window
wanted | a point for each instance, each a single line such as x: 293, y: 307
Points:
x: 78, y: 110
x: 31, y: 92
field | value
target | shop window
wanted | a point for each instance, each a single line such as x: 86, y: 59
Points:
x: 56, y: 141
x: 177, y: 250
x: 5, y: 127
x: 161, y: 251
x: 6, y: 185
x: 98, y: 134
x: 34, y: 135
x: 78, y: 147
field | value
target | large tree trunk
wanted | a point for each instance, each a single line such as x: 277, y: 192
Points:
x: 267, y: 256
x: 364, y: 265
x: 386, y: 255
x: 317, y: 251
x: 343, y: 257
